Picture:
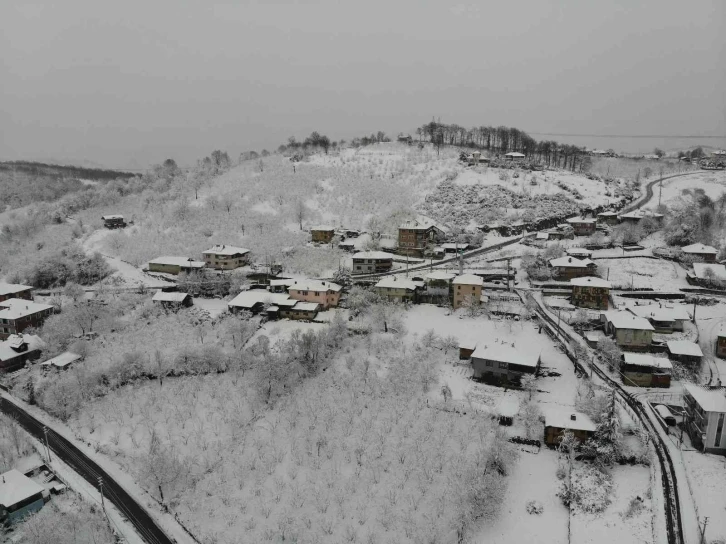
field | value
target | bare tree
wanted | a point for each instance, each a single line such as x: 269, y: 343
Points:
x: 301, y: 212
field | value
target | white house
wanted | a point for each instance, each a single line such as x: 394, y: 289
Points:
x: 705, y: 412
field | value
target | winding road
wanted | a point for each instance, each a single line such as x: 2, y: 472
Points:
x: 144, y: 524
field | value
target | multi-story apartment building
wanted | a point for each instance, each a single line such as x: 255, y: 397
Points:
x: 223, y: 257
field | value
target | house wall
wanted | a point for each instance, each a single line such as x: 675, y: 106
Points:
x: 371, y: 266
x: 701, y: 423
x: 497, y: 371
x: 225, y: 262
x: 165, y: 268
x: 583, y: 229
x: 326, y: 299
x: 25, y: 295
x: 322, y: 236
x: 590, y: 297
x: 302, y: 315
x: 567, y: 273
x: 33, y: 505
x: 635, y: 339
x: 553, y: 435
x: 396, y: 293
x: 115, y: 223
x: 462, y: 291
x: 15, y: 326
x: 8, y: 365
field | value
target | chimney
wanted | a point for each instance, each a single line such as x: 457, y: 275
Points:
x: 573, y: 417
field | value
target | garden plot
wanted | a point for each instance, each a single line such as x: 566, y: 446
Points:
x: 642, y: 273
x: 628, y: 517
x: 707, y: 482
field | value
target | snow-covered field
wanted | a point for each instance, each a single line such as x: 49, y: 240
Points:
x: 642, y: 273
x: 707, y: 482
x: 712, y: 182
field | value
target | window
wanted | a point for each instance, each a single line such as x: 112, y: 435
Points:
x: 487, y: 363
x: 502, y: 365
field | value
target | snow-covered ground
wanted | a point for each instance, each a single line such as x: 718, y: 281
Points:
x: 642, y: 273
x: 712, y: 182
x: 707, y: 481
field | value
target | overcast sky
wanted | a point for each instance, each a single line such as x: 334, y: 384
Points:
x: 129, y: 84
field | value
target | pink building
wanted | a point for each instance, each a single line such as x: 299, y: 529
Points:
x: 325, y: 293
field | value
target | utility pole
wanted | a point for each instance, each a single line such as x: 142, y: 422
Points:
x: 694, y: 310
x: 508, y: 263
x: 559, y: 312
x: 703, y: 531
x: 100, y: 489
x: 660, y: 195
x: 47, y: 447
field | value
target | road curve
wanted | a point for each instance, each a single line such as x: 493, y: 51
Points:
x: 674, y: 527
x: 144, y: 524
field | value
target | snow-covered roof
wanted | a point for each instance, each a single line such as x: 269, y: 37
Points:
x: 701, y: 270
x: 468, y: 279
x: 514, y: 154
x: 161, y: 296
x: 505, y: 353
x: 543, y: 236
x: 699, y: 248
x: 608, y: 214
x: 62, y: 360
x: 718, y: 152
x: 626, y: 320
x: 710, y: 400
x: 314, y: 285
x: 306, y: 306
x: 247, y: 299
x: 419, y: 224
x: 571, y: 262
x: 457, y: 246
x: 15, y: 308
x: 640, y: 214
x: 644, y: 359
x: 15, y: 487
x: 684, y: 347
x: 6, y: 347
x: 325, y: 228
x: 573, y: 220
x: 590, y: 281
x: 579, y: 252
x: 226, y: 250
x: 112, y: 216
x: 657, y: 313
x: 12, y: 288
x: 391, y: 282
x: 563, y: 419
x: 184, y: 262
x: 440, y: 276
x: 286, y: 282
x: 372, y: 255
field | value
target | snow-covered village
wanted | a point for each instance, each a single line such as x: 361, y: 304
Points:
x: 439, y: 334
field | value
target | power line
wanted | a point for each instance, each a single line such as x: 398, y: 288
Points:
x: 687, y: 136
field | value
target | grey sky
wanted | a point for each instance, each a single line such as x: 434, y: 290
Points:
x: 130, y: 83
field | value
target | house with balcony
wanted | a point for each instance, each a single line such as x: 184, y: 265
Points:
x: 685, y: 351
x: 414, y: 237
x: 325, y: 293
x: 224, y: 257
x: 18, y: 314
x: 398, y: 289
x: 705, y: 412
x: 607, y: 218
x: 372, y: 262
x: 665, y: 319
x: 439, y: 286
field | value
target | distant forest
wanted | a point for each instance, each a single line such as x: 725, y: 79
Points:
x: 22, y: 182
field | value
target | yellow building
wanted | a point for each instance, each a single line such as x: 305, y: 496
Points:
x: 467, y: 289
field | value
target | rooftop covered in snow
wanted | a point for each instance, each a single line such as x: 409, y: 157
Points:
x: 710, y: 400
x: 590, y: 281
x: 684, y: 347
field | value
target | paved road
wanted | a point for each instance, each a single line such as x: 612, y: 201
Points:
x: 83, y: 465
x: 649, y: 194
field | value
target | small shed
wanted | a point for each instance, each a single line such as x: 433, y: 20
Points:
x: 19, y: 496
x: 466, y: 348
x: 514, y: 156
x: 173, y: 299
x: 113, y: 221
x: 61, y: 362
x: 684, y: 351
x: 645, y: 370
x: 559, y: 421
